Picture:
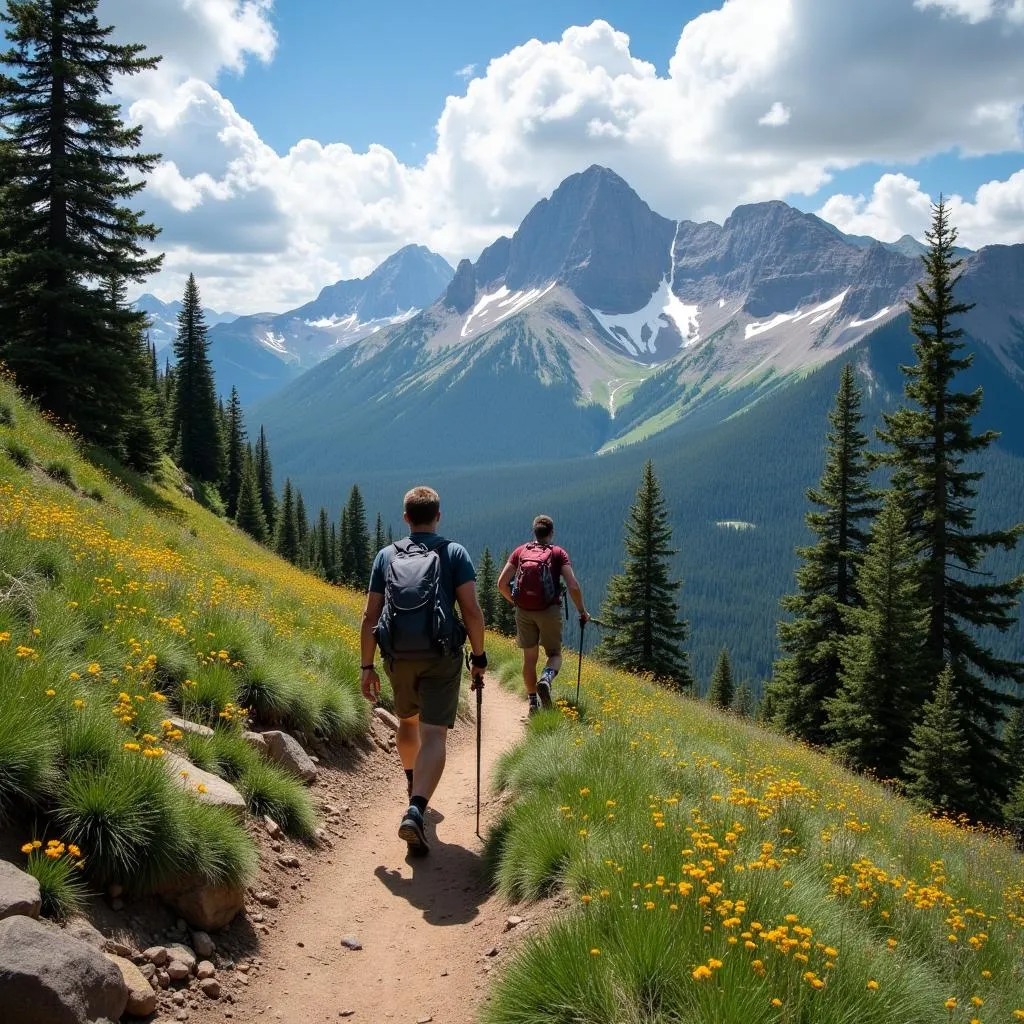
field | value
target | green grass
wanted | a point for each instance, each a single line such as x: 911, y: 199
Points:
x: 20, y: 454
x: 674, y: 829
x: 61, y: 472
x: 214, y: 848
x: 60, y: 885
x: 28, y: 742
x: 269, y: 790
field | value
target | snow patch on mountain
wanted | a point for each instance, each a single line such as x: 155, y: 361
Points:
x: 638, y: 331
x: 871, y: 319
x: 275, y: 342
x: 499, y: 305
x: 819, y: 313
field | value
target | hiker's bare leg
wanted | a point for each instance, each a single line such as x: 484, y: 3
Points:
x: 530, y: 656
x: 409, y: 740
x: 554, y: 662
x: 430, y: 760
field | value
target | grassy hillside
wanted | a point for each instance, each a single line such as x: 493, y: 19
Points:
x: 123, y: 604
x: 720, y: 873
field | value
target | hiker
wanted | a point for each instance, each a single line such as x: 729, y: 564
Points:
x: 531, y: 580
x: 415, y: 585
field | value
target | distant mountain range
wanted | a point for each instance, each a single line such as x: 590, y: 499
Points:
x: 163, y: 319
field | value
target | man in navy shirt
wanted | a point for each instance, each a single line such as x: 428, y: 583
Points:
x: 426, y: 689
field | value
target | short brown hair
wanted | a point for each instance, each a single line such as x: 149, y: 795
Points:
x: 543, y: 527
x: 422, y: 505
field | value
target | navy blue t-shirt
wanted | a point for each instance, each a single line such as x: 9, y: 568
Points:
x: 458, y: 557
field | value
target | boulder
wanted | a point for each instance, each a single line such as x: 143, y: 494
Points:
x: 214, y: 789
x: 47, y: 976
x: 288, y: 753
x: 193, y: 727
x: 141, y: 997
x: 19, y: 892
x: 256, y: 741
x: 177, y: 971
x: 79, y: 928
x: 209, y: 907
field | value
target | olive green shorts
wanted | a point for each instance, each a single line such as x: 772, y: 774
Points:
x: 428, y: 687
x: 544, y: 628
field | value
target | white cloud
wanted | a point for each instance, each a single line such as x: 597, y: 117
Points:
x: 466, y: 72
x: 897, y: 206
x: 691, y: 141
x: 776, y: 117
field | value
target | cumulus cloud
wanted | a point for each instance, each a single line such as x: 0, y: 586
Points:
x: 897, y: 206
x: 466, y: 72
x: 692, y: 141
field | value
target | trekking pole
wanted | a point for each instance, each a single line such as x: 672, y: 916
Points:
x: 579, y: 669
x: 479, y: 731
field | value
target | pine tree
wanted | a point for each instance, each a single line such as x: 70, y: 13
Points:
x: 379, y: 538
x: 743, y: 702
x: 346, y: 563
x: 168, y: 381
x: 335, y: 554
x: 235, y: 453
x: 722, y: 689
x: 487, y: 588
x: 1013, y: 745
x: 807, y: 674
x: 938, y: 766
x: 358, y: 540
x: 930, y: 441
x: 504, y: 613
x: 196, y: 422
x: 265, y: 478
x: 883, y: 681
x: 391, y: 535
x: 71, y: 167
x: 324, y: 554
x: 302, y: 528
x: 645, y: 632
x: 767, y: 707
x: 249, y: 512
x: 286, y: 532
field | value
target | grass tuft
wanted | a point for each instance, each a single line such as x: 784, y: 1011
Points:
x: 60, y: 472
x: 214, y: 848
x: 60, y: 885
x: 269, y: 790
x: 20, y: 454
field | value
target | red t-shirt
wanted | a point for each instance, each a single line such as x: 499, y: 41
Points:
x: 559, y: 558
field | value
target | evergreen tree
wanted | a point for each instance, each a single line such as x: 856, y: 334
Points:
x: 487, y: 588
x: 69, y: 172
x: 807, y: 674
x: 645, y: 632
x: 235, y: 453
x: 743, y: 702
x: 722, y: 689
x: 168, y: 386
x: 1013, y: 745
x: 324, y: 554
x: 335, y: 554
x: 938, y: 766
x: 1013, y: 812
x: 882, y: 678
x: 346, y: 563
x: 302, y: 528
x: 249, y: 512
x: 265, y: 478
x: 391, y: 535
x: 930, y: 441
x: 379, y: 538
x: 504, y: 613
x: 768, y: 708
x: 196, y: 420
x: 286, y: 532
x: 358, y: 540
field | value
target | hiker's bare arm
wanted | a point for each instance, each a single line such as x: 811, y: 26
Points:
x: 505, y: 581
x: 369, y: 682
x: 575, y: 591
x: 472, y: 616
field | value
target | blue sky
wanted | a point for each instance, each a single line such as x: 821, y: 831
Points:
x: 305, y: 140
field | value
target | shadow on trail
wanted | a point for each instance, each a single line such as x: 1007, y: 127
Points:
x: 449, y: 884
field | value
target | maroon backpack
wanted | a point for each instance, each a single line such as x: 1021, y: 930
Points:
x: 534, y: 587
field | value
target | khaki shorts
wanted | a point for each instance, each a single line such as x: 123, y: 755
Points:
x: 544, y: 628
x: 428, y: 687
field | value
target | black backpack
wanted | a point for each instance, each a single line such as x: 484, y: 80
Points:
x: 418, y: 619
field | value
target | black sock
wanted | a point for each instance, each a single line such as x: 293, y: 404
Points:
x: 420, y: 803
x: 534, y: 699
x: 408, y: 776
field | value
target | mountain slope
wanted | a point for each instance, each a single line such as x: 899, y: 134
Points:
x: 260, y: 353
x: 163, y: 319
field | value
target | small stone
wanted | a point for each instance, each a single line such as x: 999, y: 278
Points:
x: 346, y: 1013
x: 118, y: 948
x: 156, y: 955
x: 163, y: 978
x: 244, y: 968
x: 444, y: 973
x: 183, y: 954
x: 148, y: 971
x: 272, y: 827
x: 258, y: 918
x: 493, y: 951
x: 177, y: 971
x: 268, y: 899
x: 203, y: 945
x: 512, y: 922
x: 386, y: 718
x: 141, y: 997
x: 210, y: 987
x: 205, y: 970
x: 178, y: 999
x: 425, y: 1019
x: 351, y: 942
x: 181, y: 1015
x: 289, y: 861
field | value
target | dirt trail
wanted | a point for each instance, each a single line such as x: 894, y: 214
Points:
x: 426, y: 924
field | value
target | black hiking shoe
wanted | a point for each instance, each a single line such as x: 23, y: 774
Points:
x: 544, y: 689
x: 534, y: 704
x: 411, y: 830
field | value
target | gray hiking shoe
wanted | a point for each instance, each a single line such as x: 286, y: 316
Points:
x: 411, y: 831
x: 544, y: 688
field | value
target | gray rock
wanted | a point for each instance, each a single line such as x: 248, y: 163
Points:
x: 256, y: 741
x: 215, y: 790
x: 118, y: 948
x: 268, y: 899
x: 205, y: 970
x: 79, y: 928
x: 163, y: 978
x: 210, y: 987
x: 19, y: 892
x: 156, y: 955
x: 193, y: 727
x: 47, y: 976
x: 203, y: 945
x: 272, y: 827
x: 183, y: 954
x: 177, y: 971
x: 148, y: 971
x: 385, y: 716
x: 288, y: 752
x: 141, y: 997
x: 351, y: 942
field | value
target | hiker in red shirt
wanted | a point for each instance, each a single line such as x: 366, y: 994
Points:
x: 531, y: 580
